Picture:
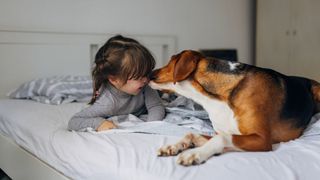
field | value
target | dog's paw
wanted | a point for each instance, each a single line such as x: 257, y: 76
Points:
x: 169, y: 150
x: 191, y: 157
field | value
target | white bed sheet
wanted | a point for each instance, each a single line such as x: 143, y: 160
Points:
x: 41, y: 129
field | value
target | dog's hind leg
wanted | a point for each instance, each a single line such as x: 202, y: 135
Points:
x: 252, y: 142
x: 189, y: 141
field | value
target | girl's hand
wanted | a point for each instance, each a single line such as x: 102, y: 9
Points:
x: 106, y: 125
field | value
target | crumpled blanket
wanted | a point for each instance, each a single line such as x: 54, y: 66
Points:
x: 182, y: 116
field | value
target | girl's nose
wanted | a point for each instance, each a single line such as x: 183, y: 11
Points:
x: 145, y: 80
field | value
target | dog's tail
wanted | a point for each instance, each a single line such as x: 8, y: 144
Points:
x: 315, y: 88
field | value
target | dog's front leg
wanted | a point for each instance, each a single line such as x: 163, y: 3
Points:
x: 188, y: 141
x: 200, y: 154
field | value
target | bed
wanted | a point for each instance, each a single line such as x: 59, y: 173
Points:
x: 35, y: 142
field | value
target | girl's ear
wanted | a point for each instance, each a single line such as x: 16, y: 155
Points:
x: 113, y: 80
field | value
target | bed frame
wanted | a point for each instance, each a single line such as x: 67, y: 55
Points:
x: 25, y: 55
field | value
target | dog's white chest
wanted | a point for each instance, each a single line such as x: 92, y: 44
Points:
x: 220, y: 114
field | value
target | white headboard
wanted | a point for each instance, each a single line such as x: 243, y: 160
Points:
x: 25, y: 55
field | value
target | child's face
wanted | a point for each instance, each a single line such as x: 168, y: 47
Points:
x: 132, y: 86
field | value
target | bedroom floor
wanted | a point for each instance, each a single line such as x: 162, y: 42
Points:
x: 3, y: 175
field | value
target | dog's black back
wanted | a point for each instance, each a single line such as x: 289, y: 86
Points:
x: 299, y: 103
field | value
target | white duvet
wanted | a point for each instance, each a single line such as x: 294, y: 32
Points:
x: 41, y: 129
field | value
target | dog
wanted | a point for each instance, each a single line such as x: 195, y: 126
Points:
x: 250, y: 108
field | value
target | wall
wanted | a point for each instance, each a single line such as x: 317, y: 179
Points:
x: 195, y: 23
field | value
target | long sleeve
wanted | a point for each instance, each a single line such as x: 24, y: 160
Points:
x: 93, y: 115
x: 114, y: 105
x: 154, y: 105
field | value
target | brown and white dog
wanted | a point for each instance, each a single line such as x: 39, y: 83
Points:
x: 250, y: 108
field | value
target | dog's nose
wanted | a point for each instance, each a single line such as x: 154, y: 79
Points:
x: 153, y: 75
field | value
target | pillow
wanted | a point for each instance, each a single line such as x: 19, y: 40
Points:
x: 55, y: 90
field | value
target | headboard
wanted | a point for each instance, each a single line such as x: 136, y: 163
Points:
x: 25, y: 55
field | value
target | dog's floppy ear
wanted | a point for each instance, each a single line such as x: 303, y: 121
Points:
x: 185, y: 64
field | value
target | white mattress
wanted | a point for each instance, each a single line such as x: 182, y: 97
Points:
x: 41, y: 129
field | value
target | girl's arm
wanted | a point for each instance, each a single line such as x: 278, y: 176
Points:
x: 92, y: 116
x: 154, y: 105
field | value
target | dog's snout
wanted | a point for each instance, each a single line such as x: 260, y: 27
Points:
x: 153, y: 75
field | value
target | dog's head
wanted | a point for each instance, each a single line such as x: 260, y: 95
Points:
x: 180, y: 67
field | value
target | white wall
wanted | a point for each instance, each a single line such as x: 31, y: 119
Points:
x: 195, y: 23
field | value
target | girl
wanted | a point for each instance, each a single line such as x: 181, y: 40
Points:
x: 120, y: 78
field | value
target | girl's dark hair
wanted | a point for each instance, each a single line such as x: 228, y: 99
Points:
x: 122, y: 57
